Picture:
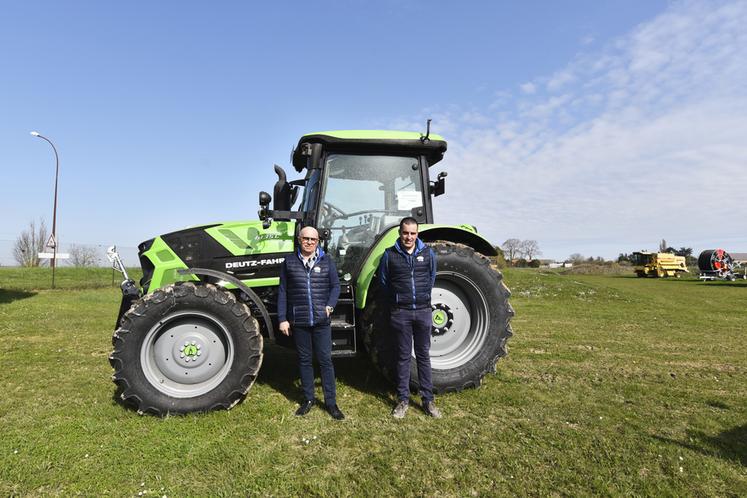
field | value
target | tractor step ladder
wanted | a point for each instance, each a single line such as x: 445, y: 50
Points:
x: 343, y: 323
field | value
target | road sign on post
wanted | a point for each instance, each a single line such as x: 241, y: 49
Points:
x: 52, y: 242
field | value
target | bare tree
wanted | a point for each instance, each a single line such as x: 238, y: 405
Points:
x: 529, y: 249
x: 511, y: 248
x: 499, y: 259
x: 30, y: 243
x: 83, y: 256
x: 576, y: 258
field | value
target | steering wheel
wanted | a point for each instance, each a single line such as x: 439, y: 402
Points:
x: 333, y: 211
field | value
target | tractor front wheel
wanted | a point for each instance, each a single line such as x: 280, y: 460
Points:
x: 186, y: 348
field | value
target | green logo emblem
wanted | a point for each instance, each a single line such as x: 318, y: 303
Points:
x: 439, y: 318
x: 190, y: 350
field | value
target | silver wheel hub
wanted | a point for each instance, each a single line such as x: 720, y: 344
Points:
x: 460, y: 320
x: 190, y: 351
x: 187, y: 354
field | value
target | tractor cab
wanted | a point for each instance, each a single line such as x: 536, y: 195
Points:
x: 355, y: 189
x: 642, y: 258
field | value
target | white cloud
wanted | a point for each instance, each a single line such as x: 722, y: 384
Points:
x: 528, y: 88
x: 646, y: 141
x: 560, y: 79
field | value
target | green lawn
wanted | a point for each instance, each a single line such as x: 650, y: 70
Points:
x: 614, y: 385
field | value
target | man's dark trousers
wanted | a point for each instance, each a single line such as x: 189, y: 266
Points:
x: 318, y: 339
x: 413, y: 325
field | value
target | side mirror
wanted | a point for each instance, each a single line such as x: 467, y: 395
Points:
x: 264, y: 204
x: 308, y: 155
x: 264, y: 199
x: 293, y: 195
x: 439, y: 186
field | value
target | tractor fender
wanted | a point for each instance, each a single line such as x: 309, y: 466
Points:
x: 461, y: 234
x: 253, y: 297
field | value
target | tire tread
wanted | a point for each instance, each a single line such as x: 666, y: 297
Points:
x: 152, y: 303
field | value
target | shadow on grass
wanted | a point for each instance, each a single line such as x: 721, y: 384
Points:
x: 730, y: 444
x: 8, y: 296
x: 714, y: 283
x: 691, y: 281
x: 280, y: 372
x: 721, y: 284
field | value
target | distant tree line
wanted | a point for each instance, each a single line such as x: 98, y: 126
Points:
x: 577, y: 259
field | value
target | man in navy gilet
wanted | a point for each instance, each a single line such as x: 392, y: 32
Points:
x: 408, y: 271
x: 308, y: 292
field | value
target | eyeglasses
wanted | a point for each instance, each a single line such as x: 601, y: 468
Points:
x: 309, y: 239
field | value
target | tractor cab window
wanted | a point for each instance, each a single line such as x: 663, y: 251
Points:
x: 362, y: 197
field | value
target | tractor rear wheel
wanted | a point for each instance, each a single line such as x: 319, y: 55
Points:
x: 186, y: 348
x: 471, y: 315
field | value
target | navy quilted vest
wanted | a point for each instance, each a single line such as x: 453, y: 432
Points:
x: 308, y: 291
x: 409, y: 276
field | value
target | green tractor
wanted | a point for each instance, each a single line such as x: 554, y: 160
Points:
x: 190, y: 336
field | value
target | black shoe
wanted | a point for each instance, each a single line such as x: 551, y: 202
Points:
x: 304, y: 408
x: 335, y: 412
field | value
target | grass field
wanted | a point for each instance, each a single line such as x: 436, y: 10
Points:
x: 613, y: 386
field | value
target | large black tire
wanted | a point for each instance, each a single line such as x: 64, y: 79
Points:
x: 186, y: 348
x: 471, y: 321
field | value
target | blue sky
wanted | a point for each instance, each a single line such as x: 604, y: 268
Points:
x: 595, y: 127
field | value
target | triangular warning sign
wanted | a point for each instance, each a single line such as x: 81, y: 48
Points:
x: 52, y: 242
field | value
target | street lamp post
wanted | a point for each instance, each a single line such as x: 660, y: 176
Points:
x: 54, y: 212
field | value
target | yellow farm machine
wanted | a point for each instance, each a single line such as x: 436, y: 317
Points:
x: 658, y: 264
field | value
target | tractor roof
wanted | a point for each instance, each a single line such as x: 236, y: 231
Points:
x: 374, y: 141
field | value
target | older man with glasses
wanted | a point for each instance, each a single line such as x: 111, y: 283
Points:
x: 309, y: 288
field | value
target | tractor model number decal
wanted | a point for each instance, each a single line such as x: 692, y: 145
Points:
x: 253, y: 263
x: 270, y: 236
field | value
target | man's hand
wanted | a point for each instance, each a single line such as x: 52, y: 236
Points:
x: 329, y: 310
x: 284, y: 327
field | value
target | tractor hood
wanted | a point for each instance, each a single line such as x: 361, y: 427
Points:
x: 242, y: 248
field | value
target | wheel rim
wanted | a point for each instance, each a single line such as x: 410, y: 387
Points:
x: 460, y: 320
x: 187, y: 354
